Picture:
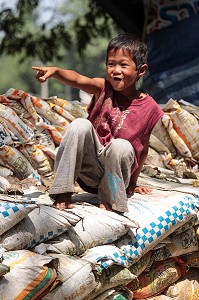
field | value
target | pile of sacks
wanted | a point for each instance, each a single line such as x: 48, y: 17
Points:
x: 88, y: 253
x: 174, y: 143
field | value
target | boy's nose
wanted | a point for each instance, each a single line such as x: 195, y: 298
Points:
x: 117, y: 70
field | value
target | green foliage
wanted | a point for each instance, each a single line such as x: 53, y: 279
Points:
x: 77, y: 40
x: 34, y: 42
x: 96, y: 22
x: 23, y: 35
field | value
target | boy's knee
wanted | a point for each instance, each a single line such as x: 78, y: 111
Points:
x: 122, y: 146
x: 80, y: 124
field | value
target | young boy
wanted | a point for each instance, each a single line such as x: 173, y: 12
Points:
x: 105, y: 152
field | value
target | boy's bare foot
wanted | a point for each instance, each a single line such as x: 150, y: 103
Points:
x: 105, y: 206
x: 63, y: 201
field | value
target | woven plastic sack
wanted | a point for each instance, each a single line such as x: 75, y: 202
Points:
x: 12, y: 213
x: 157, y: 216
x: 42, y: 224
x: 192, y: 259
x: 161, y: 275
x: 31, y: 275
x: 176, y: 139
x: 185, y: 124
x: 160, y: 132
x: 141, y: 264
x: 186, y: 288
x: 17, y: 107
x: 15, y: 124
x: 73, y: 108
x: 115, y: 276
x: 5, y: 137
x: 38, y: 159
x: 39, y: 121
x: 154, y: 158
x: 91, y: 231
x: 183, y: 243
x: 16, y: 161
x: 77, y: 278
x: 36, y: 105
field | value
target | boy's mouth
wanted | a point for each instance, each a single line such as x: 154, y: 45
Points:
x: 117, y: 79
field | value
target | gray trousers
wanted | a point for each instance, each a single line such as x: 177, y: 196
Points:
x: 105, y: 168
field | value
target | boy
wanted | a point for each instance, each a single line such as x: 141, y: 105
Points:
x: 105, y: 152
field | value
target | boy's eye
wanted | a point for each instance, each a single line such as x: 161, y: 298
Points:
x: 110, y: 64
x: 124, y: 65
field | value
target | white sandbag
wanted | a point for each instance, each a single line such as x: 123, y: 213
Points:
x: 42, y: 108
x: 12, y: 213
x: 31, y: 275
x: 98, y: 227
x: 15, y: 124
x: 5, y: 172
x: 23, y: 114
x: 55, y: 133
x: 77, y: 278
x: 16, y: 161
x: 42, y: 224
x: 44, y: 138
x: 157, y: 215
x: 162, y: 134
x: 5, y: 137
x: 74, y: 108
x: 183, y: 243
x: 185, y: 125
x: 4, y: 184
x: 154, y: 158
x: 37, y: 119
x: 102, y: 257
x: 157, y: 145
x: 175, y: 137
x: 38, y: 159
x: 36, y: 105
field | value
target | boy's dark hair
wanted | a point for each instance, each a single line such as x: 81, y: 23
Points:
x: 132, y: 44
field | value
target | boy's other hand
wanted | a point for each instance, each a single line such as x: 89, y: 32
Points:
x: 138, y: 189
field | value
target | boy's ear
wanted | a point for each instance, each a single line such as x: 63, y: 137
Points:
x: 142, y: 70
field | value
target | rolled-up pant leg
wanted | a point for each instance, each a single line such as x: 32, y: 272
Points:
x: 117, y: 158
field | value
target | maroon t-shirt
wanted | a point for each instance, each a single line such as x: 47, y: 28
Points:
x: 115, y: 116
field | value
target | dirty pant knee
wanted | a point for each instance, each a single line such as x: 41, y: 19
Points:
x: 117, y: 158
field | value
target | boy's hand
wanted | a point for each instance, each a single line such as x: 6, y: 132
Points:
x: 44, y: 73
x: 138, y: 189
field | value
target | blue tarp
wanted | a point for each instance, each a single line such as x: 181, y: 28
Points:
x: 173, y: 62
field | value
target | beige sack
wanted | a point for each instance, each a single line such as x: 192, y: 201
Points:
x: 31, y: 275
x: 185, y: 125
x: 162, y: 134
x: 77, y: 277
x: 16, y: 161
x: 187, y: 288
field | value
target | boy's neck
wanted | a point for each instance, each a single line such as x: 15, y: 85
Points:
x: 134, y: 95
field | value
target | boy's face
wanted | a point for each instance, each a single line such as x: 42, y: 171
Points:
x: 121, y: 71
